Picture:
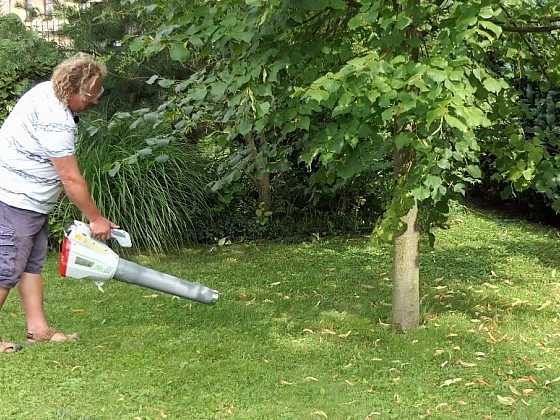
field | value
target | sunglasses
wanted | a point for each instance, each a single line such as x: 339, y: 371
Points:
x: 92, y: 97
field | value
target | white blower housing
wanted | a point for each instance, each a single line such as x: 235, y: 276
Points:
x: 83, y: 257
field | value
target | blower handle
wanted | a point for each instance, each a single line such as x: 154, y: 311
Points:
x: 122, y: 237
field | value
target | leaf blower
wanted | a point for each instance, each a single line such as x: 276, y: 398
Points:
x: 82, y: 256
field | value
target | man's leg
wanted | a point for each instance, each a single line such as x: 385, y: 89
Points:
x: 30, y: 288
x: 5, y: 346
x: 3, y: 295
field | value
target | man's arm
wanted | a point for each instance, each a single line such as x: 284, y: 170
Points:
x: 77, y: 190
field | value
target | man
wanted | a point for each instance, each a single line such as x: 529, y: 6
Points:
x: 36, y: 161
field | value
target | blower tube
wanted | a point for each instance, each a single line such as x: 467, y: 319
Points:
x: 132, y: 273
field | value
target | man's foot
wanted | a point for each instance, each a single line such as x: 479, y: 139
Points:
x: 7, y: 347
x: 50, y: 336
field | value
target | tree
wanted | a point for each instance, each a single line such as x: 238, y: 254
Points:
x: 347, y: 85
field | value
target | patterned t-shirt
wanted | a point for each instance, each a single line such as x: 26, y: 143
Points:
x: 38, y: 128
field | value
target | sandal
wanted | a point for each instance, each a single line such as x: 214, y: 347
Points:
x: 7, y: 347
x: 50, y: 336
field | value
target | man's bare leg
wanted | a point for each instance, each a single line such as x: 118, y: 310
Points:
x: 3, y: 296
x: 30, y: 288
x: 5, y: 346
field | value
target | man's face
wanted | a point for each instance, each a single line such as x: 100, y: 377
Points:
x: 88, y: 97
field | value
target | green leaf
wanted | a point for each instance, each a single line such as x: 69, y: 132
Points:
x: 433, y: 181
x: 486, y: 12
x: 198, y: 94
x: 387, y: 115
x: 152, y: 79
x: 492, y: 85
x: 245, y: 127
x: 165, y: 83
x: 178, y: 52
x: 474, y: 171
x: 459, y: 188
x: 218, y: 89
x: 115, y: 169
x: 403, y: 21
x: 136, y: 44
x: 402, y: 140
x: 317, y: 94
x: 497, y: 30
x: 455, y: 123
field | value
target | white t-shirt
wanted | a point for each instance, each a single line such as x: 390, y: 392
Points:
x: 38, y: 128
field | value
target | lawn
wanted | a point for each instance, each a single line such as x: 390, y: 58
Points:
x: 300, y: 332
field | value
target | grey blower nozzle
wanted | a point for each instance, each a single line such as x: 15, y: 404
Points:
x: 130, y: 272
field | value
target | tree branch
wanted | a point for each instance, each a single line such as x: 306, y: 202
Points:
x: 531, y: 29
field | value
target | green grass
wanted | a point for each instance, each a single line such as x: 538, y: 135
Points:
x: 300, y: 332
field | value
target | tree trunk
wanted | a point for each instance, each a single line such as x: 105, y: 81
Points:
x: 406, y: 264
x: 406, y: 278
x: 262, y: 177
x: 263, y: 185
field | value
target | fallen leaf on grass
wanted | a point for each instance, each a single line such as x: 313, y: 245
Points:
x: 451, y: 382
x: 514, y: 391
x: 383, y: 324
x: 79, y: 311
x: 479, y: 381
x: 465, y: 364
x: 552, y: 381
x: 283, y: 382
x: 506, y: 400
x: 544, y: 305
x: 518, y: 302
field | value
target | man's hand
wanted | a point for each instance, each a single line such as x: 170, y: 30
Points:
x: 101, y: 228
x: 77, y: 190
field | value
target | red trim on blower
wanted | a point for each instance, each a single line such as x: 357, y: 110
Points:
x: 64, y: 252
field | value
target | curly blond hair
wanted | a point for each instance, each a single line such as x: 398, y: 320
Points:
x: 74, y: 74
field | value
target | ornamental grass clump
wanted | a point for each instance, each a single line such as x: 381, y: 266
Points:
x: 149, y: 183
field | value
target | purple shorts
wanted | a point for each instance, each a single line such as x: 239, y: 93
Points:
x: 23, y: 243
